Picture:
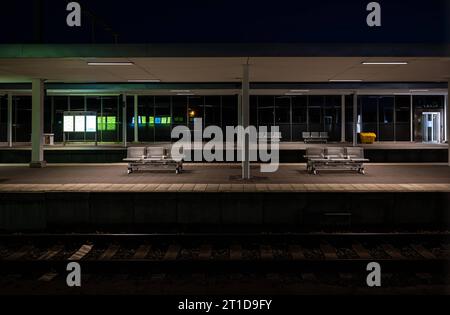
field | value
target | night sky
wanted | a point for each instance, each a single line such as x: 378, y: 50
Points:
x: 239, y: 21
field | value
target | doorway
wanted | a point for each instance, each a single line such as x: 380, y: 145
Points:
x: 431, y: 127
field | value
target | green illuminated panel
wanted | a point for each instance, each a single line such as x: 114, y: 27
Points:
x: 111, y: 123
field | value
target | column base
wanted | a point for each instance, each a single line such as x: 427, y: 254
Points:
x: 38, y: 164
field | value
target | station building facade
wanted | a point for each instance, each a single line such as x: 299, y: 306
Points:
x: 402, y: 117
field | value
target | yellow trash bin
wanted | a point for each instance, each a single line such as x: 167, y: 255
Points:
x: 367, y: 137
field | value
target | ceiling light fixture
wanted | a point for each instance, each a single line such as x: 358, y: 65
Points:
x: 415, y: 91
x: 180, y: 91
x: 145, y: 81
x: 293, y: 94
x: 299, y: 91
x: 344, y: 80
x: 127, y: 63
x: 385, y: 63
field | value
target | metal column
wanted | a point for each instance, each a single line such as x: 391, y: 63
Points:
x: 343, y: 119
x: 136, y: 120
x: 124, y: 121
x: 37, y: 124
x: 355, y: 119
x: 448, y: 122
x: 246, y: 121
x: 10, y: 120
x: 411, y: 118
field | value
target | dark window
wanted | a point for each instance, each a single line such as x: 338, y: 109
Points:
x: 282, y: 109
x: 109, y: 124
x: 179, y: 110
x: 402, y: 109
x: 22, y: 118
x: 266, y: 110
x: 163, y: 118
x: 254, y: 111
x: 212, y: 111
x: 229, y: 111
x: 283, y: 116
x: 77, y: 103
x: 386, y: 118
x: 369, y: 109
x: 299, y: 109
x: 195, y: 109
x: 60, y: 104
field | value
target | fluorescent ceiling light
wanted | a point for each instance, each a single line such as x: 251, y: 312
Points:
x: 385, y: 63
x: 125, y: 63
x: 402, y: 93
x: 412, y: 91
x: 299, y: 91
x: 293, y: 94
x: 145, y: 81
x: 185, y: 94
x: 180, y: 91
x: 344, y: 80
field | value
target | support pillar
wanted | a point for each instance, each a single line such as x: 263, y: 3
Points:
x: 448, y: 122
x: 9, y: 132
x: 246, y: 121
x: 136, y: 120
x: 343, y: 129
x: 239, y: 102
x: 355, y: 119
x: 411, y: 119
x: 37, y: 124
x: 124, y: 121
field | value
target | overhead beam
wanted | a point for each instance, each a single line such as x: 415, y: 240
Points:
x: 120, y: 87
x: 223, y: 50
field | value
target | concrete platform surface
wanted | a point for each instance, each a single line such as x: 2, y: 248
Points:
x: 223, y: 178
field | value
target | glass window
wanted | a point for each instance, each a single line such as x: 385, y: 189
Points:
x: 3, y: 117
x: 212, y: 111
x: 315, y: 108
x: 229, y: 111
x: 77, y: 103
x: 179, y: 110
x: 369, y: 108
x: 110, y: 131
x: 254, y: 110
x: 266, y: 110
x: 282, y: 109
x: 195, y: 109
x: 162, y: 118
x: 299, y: 109
x: 386, y: 110
x: 386, y: 118
x: 22, y: 118
x: 402, y: 109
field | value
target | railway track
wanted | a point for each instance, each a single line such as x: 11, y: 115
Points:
x: 224, y: 250
x: 423, y: 257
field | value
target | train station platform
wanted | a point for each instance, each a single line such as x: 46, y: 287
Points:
x: 80, y: 198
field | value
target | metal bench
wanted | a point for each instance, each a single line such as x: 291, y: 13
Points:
x: 321, y: 137
x: 151, y: 158
x: 335, y: 158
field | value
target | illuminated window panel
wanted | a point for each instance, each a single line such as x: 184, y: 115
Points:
x: 111, y: 122
x: 151, y: 120
x: 101, y: 122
